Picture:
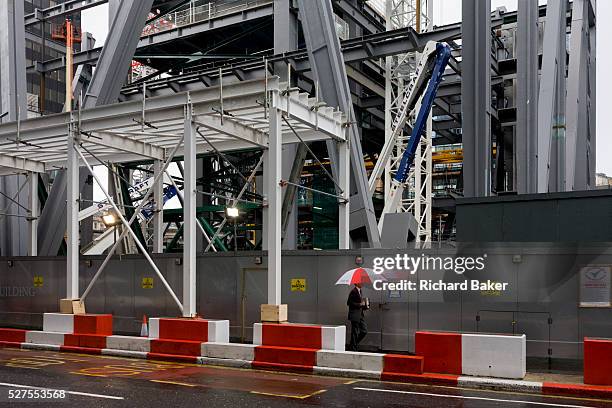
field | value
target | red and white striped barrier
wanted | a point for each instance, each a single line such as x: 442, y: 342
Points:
x: 473, y: 354
x: 99, y: 324
x: 294, y: 347
x: 597, y: 361
x: 300, y: 336
x: 201, y: 330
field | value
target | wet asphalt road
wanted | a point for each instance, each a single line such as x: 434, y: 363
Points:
x: 101, y: 381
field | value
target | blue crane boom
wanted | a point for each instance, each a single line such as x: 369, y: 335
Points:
x: 443, y: 54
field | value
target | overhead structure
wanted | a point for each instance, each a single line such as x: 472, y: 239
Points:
x: 228, y: 117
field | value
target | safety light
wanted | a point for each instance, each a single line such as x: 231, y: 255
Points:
x: 232, y: 212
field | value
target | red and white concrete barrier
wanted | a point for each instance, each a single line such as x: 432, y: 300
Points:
x: 201, y: 330
x: 597, y: 361
x: 300, y: 335
x: 99, y: 324
x: 473, y: 354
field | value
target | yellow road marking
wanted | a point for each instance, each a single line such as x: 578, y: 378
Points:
x: 301, y: 397
x: 174, y: 383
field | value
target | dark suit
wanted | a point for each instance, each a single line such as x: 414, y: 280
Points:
x: 355, y: 315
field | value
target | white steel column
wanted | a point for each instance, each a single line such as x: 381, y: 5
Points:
x: 189, y: 217
x: 72, y: 227
x: 158, y: 217
x: 34, y: 214
x: 272, y: 176
x: 344, y: 180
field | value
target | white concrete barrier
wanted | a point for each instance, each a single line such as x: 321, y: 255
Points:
x: 41, y: 337
x: 154, y: 328
x: 490, y: 355
x: 350, y: 360
x: 334, y: 338
x: 218, y: 331
x: 58, y: 322
x: 130, y: 343
x: 226, y: 350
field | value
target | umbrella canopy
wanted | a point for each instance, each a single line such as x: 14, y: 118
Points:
x: 358, y: 275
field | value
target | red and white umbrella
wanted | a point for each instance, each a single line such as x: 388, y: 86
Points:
x: 358, y: 275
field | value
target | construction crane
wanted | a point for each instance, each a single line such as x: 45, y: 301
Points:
x: 419, y: 97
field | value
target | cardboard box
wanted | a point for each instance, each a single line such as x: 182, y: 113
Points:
x: 72, y: 306
x: 274, y: 313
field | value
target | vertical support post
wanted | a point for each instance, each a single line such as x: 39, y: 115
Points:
x: 189, y: 217
x: 476, y: 97
x: 72, y: 228
x: 344, y: 180
x: 578, y: 174
x: 34, y: 213
x: 551, y: 139
x: 158, y: 217
x: 272, y: 176
x: 526, y: 140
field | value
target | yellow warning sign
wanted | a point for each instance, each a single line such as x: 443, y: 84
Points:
x: 147, y: 283
x: 38, y: 281
x: 298, y: 285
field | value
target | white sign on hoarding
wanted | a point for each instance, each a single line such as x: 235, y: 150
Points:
x: 595, y: 286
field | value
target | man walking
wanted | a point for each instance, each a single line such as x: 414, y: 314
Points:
x: 357, y: 305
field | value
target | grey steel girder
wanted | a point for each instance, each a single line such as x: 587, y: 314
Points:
x: 117, y: 52
x: 59, y: 10
x: 476, y: 97
x: 551, y: 140
x: 329, y: 71
x: 526, y: 137
x: 579, y: 174
x: 372, y: 46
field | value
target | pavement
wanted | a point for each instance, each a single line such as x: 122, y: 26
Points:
x: 106, y: 381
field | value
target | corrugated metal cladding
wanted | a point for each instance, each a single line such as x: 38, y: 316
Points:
x: 584, y: 216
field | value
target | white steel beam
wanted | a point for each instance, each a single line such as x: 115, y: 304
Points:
x: 272, y: 180
x: 158, y: 216
x: 233, y: 128
x: 125, y: 144
x: 189, y: 217
x: 20, y: 164
x: 34, y: 214
x: 344, y: 180
x: 72, y: 227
